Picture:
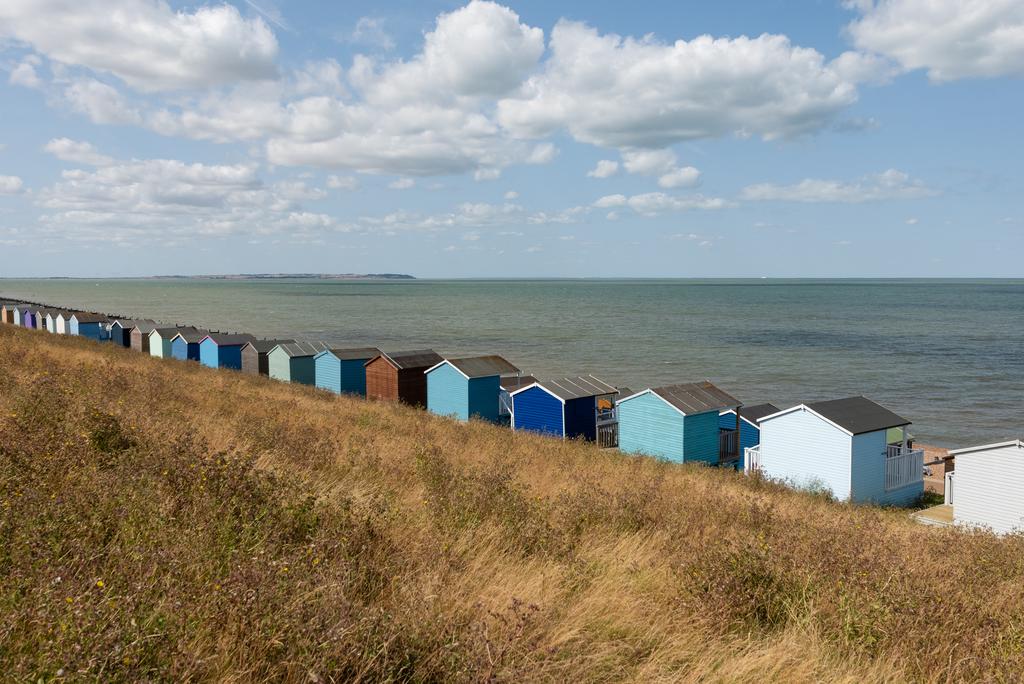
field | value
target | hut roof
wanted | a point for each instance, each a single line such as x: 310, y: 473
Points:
x: 264, y: 346
x: 858, y: 414
x: 406, y: 360
x: 355, y: 353
x: 696, y: 397
x: 130, y: 323
x: 481, y: 366
x: 85, y: 317
x: 229, y: 339
x: 754, y: 413
x: 144, y: 327
x: 189, y: 334
x: 577, y: 387
x: 511, y: 384
x: 300, y: 349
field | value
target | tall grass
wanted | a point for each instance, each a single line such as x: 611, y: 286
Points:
x: 159, y: 520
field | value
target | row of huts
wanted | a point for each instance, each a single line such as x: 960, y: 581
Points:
x: 852, y: 448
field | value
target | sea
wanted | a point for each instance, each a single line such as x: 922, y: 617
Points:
x: 946, y: 354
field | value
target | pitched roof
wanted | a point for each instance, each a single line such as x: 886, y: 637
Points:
x: 144, y: 327
x: 229, y: 339
x: 754, y: 413
x: 131, y: 322
x: 298, y: 349
x: 84, y: 317
x: 696, y: 397
x: 1013, y: 443
x: 406, y: 360
x: 264, y: 346
x: 577, y: 387
x: 355, y: 353
x: 189, y: 334
x: 511, y: 384
x: 482, y: 366
x: 858, y: 414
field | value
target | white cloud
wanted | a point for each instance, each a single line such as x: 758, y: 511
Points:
x: 342, y: 182
x: 402, y: 184
x: 10, y: 185
x: 102, y: 103
x: 684, y: 177
x: 511, y: 195
x: 654, y: 203
x: 24, y: 73
x: 370, y: 31
x: 487, y: 174
x: 606, y: 168
x: 649, y: 162
x: 609, y: 201
x: 543, y: 153
x: 145, y: 43
x: 79, y: 152
x: 641, y: 93
x: 888, y: 185
x: 912, y: 221
x: 952, y: 39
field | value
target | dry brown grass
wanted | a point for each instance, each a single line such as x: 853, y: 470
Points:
x: 159, y: 520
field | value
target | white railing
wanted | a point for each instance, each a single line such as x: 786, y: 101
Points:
x: 504, y: 404
x: 606, y: 416
x: 752, y: 459
x: 903, y: 466
x: 948, y: 494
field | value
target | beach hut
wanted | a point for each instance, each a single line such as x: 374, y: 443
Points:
x: 467, y: 387
x: 507, y: 386
x: 749, y: 431
x: 62, y: 325
x: 51, y: 321
x: 89, y: 325
x: 223, y: 350
x: 185, y: 343
x: 7, y: 311
x: 675, y: 422
x: 28, y: 317
x: 986, y: 489
x: 343, y: 371
x: 160, y: 341
x: 294, y: 362
x: 121, y: 330
x: 567, y: 407
x: 40, y: 320
x: 140, y: 335
x: 254, y: 356
x: 19, y: 310
x: 843, y: 447
x: 399, y: 376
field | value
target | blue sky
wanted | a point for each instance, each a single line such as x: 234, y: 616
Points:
x: 453, y: 139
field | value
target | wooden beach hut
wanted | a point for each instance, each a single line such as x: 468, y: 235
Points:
x: 121, y: 330
x: 343, y: 371
x: 160, y: 341
x: 223, y: 350
x: 51, y: 321
x: 294, y: 362
x: 28, y: 317
x: 749, y: 431
x: 508, y: 385
x: 40, y: 319
x: 675, y: 422
x: 468, y: 387
x: 399, y: 376
x: 89, y: 325
x: 140, y: 335
x: 843, y: 447
x: 986, y: 489
x: 19, y: 311
x: 254, y: 356
x: 566, y: 407
x: 185, y: 343
x: 7, y: 311
x: 63, y: 323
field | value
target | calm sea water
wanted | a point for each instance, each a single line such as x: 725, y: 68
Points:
x: 948, y: 355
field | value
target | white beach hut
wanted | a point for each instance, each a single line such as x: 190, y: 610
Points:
x: 841, y: 446
x: 986, y: 488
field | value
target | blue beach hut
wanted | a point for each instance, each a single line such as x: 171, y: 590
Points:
x: 223, y: 350
x: 468, y: 387
x: 294, y: 362
x: 675, y: 422
x: 88, y: 325
x: 750, y: 432
x: 853, y: 448
x: 566, y: 408
x: 28, y: 318
x: 343, y: 371
x: 185, y: 344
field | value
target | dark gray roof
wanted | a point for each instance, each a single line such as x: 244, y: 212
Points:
x: 418, y: 358
x: 84, y: 317
x: 296, y: 349
x: 578, y: 387
x: 355, y: 353
x: 858, y: 414
x: 130, y: 323
x: 189, y: 334
x: 757, y: 411
x: 144, y: 327
x: 230, y: 339
x: 696, y: 397
x: 625, y: 392
x: 511, y: 384
x: 483, y: 366
x: 264, y: 346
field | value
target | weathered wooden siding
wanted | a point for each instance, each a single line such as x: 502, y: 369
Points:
x: 807, y: 451
x: 140, y: 341
x: 700, y: 437
x: 648, y: 425
x: 987, y: 489
x: 535, y: 410
x: 448, y: 392
x: 381, y: 380
x: 867, y: 474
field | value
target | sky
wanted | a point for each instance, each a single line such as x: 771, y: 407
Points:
x: 769, y: 138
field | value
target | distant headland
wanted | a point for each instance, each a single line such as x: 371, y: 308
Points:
x: 290, y: 276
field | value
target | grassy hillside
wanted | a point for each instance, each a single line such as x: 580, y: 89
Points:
x: 159, y: 520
